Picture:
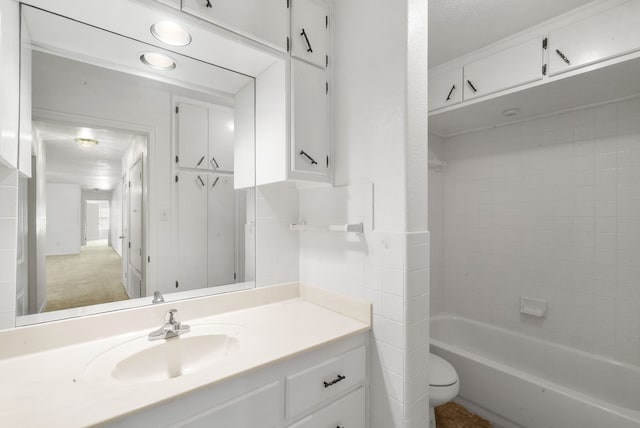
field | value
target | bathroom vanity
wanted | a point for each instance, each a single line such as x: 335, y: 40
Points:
x: 287, y: 355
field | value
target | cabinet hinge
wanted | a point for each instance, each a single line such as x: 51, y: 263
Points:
x: 545, y: 41
x: 129, y: 184
x: 288, y: 4
x: 544, y: 70
x: 177, y: 159
x: 326, y: 61
x: 176, y: 178
x: 326, y: 88
x: 235, y: 276
x: 327, y: 161
x: 326, y: 21
x: 287, y: 44
x: 177, y: 109
x: 176, y: 284
x: 129, y: 244
x: 148, y: 259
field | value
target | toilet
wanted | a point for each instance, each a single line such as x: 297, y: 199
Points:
x: 443, y: 384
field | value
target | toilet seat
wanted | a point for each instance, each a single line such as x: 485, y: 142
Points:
x: 443, y: 381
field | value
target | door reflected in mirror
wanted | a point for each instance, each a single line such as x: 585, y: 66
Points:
x: 142, y: 178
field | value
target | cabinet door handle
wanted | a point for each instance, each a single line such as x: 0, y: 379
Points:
x: 200, y: 161
x: 208, y: 4
x: 306, y: 39
x: 312, y: 160
x: 215, y: 182
x: 563, y: 56
x: 201, y: 182
x: 473, y: 88
x: 333, y: 382
x: 451, y: 92
x: 215, y: 162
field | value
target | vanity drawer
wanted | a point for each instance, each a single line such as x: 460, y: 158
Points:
x: 325, y: 381
x: 347, y: 412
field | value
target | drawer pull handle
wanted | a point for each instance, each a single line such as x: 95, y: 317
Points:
x: 306, y: 39
x: 451, y: 92
x: 200, y: 161
x: 333, y: 382
x: 214, y: 162
x: 312, y: 160
x: 201, y: 182
x: 473, y: 88
x: 208, y: 4
x: 563, y: 56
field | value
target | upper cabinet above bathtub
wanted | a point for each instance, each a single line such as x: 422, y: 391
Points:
x: 589, y: 55
x: 599, y: 37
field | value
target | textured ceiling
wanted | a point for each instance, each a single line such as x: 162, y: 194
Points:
x: 457, y: 27
x: 98, y: 167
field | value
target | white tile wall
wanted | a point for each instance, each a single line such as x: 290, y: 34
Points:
x: 8, y: 242
x: 549, y: 208
x: 392, y: 271
x: 277, y: 207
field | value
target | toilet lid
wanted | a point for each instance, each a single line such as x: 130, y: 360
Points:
x: 441, y: 373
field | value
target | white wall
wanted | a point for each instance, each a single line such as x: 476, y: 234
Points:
x: 549, y: 209
x: 63, y: 219
x: 277, y: 248
x: 436, y: 224
x: 380, y: 143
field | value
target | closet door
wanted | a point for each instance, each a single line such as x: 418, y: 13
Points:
x: 192, y: 133
x: 221, y: 139
x: 191, y: 230
x: 221, y: 231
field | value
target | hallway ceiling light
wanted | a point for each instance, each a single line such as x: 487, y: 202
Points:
x: 86, y: 142
x: 511, y: 112
x: 170, y: 33
x: 158, y: 61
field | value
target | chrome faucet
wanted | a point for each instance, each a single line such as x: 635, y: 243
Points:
x: 157, y: 297
x: 171, y: 327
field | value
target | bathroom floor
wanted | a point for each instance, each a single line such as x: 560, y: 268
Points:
x: 453, y: 415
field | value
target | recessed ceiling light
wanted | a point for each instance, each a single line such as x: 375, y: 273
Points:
x: 158, y: 61
x: 86, y: 142
x: 170, y: 33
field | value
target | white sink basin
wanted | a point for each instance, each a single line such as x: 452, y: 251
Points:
x: 141, y: 360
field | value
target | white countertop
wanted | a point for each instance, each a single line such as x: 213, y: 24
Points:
x: 50, y: 387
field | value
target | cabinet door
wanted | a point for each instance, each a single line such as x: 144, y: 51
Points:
x: 221, y: 231
x: 172, y: 3
x: 309, y: 31
x: 266, y: 21
x: 506, y: 69
x: 259, y: 408
x: 192, y: 230
x: 445, y: 88
x: 192, y: 129
x: 309, y: 119
x: 9, y: 82
x: 600, y: 37
x: 348, y: 412
x: 221, y: 132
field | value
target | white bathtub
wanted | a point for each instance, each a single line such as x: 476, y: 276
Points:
x: 533, y: 383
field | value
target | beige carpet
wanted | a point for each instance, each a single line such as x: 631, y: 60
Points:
x: 88, y: 278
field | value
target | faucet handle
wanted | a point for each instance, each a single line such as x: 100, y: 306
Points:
x: 171, y: 314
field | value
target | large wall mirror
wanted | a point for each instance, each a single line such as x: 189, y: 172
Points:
x: 143, y: 172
